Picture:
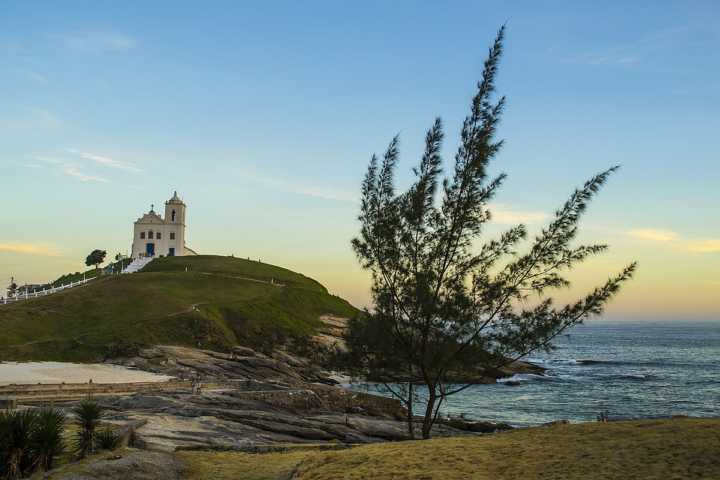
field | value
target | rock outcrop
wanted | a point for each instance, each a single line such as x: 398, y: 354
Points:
x: 257, y: 402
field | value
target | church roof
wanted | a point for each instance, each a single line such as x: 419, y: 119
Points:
x: 150, y: 217
x: 175, y: 199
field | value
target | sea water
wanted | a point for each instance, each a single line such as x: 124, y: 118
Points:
x: 627, y: 369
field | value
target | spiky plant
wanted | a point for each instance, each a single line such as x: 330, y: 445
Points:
x: 16, y: 428
x: 47, y: 441
x: 88, y: 415
x: 107, y: 439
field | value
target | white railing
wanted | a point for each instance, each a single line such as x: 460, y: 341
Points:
x: 44, y: 291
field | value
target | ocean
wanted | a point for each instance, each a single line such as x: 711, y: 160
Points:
x: 629, y: 370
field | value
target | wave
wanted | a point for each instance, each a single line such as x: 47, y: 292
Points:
x: 534, y: 377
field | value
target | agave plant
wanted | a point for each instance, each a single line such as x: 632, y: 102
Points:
x: 88, y: 415
x: 107, y: 439
x: 47, y: 437
x: 16, y: 431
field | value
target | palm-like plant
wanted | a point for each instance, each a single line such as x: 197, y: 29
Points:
x: 47, y: 437
x: 107, y: 439
x: 16, y: 430
x: 88, y: 415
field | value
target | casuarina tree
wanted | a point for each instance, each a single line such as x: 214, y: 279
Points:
x: 445, y: 302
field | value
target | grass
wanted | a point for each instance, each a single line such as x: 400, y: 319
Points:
x: 233, y: 305
x: 680, y: 448
x: 245, y: 466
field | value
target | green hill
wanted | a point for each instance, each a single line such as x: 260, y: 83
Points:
x: 211, y: 301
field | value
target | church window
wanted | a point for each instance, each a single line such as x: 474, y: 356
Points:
x: 150, y: 234
x: 142, y: 234
x: 158, y: 235
x: 172, y: 235
x: 173, y: 215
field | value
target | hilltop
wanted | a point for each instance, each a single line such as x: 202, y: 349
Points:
x: 210, y: 301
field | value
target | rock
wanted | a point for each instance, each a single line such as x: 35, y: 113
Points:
x: 555, y: 423
x: 131, y: 463
x: 476, y: 426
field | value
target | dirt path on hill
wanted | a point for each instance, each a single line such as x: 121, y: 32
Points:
x: 274, y: 284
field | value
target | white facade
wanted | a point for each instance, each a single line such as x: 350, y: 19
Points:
x: 154, y: 235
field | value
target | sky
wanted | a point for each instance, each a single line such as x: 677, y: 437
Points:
x: 263, y: 116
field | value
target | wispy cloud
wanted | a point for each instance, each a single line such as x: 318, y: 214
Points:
x: 30, y: 249
x: 675, y: 241
x: 27, y: 118
x: 65, y: 167
x: 71, y: 171
x: 652, y: 234
x: 704, y: 246
x: 310, y: 190
x: 106, y: 161
x: 602, y: 59
x: 95, y: 41
x: 506, y: 215
x: 28, y: 74
x: 633, y: 51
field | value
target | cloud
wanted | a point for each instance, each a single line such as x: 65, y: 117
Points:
x: 646, y: 47
x: 65, y: 167
x: 602, y: 59
x: 317, y: 191
x: 28, y: 118
x: 652, y: 235
x: 106, y: 161
x: 95, y: 41
x: 30, y: 249
x: 506, y: 215
x: 27, y: 74
x: 673, y: 239
x: 704, y: 246
x: 71, y: 171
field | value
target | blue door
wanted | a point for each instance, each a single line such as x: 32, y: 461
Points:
x: 150, y: 249
x: 171, y: 253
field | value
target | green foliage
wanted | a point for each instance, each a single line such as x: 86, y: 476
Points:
x: 442, y: 302
x: 87, y: 416
x: 95, y: 258
x: 12, y: 288
x: 107, y: 439
x: 219, y: 303
x: 30, y: 440
x: 16, y: 431
x: 47, y: 441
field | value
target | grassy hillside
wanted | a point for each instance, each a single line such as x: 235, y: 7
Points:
x: 642, y: 450
x: 218, y: 302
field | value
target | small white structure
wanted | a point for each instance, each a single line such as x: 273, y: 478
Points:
x: 154, y: 235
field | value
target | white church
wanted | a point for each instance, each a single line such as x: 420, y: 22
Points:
x: 154, y: 235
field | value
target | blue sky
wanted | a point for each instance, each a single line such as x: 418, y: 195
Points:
x: 263, y: 116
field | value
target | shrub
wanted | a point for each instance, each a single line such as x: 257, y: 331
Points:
x: 47, y: 441
x: 107, y: 439
x: 16, y: 429
x: 88, y: 414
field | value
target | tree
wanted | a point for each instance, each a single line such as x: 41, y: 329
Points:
x: 12, y: 288
x: 444, y: 303
x: 95, y: 258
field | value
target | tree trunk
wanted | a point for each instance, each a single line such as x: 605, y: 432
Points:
x: 411, y: 425
x: 429, y: 412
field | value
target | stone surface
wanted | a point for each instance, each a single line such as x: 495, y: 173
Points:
x: 124, y: 464
x: 261, y: 400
